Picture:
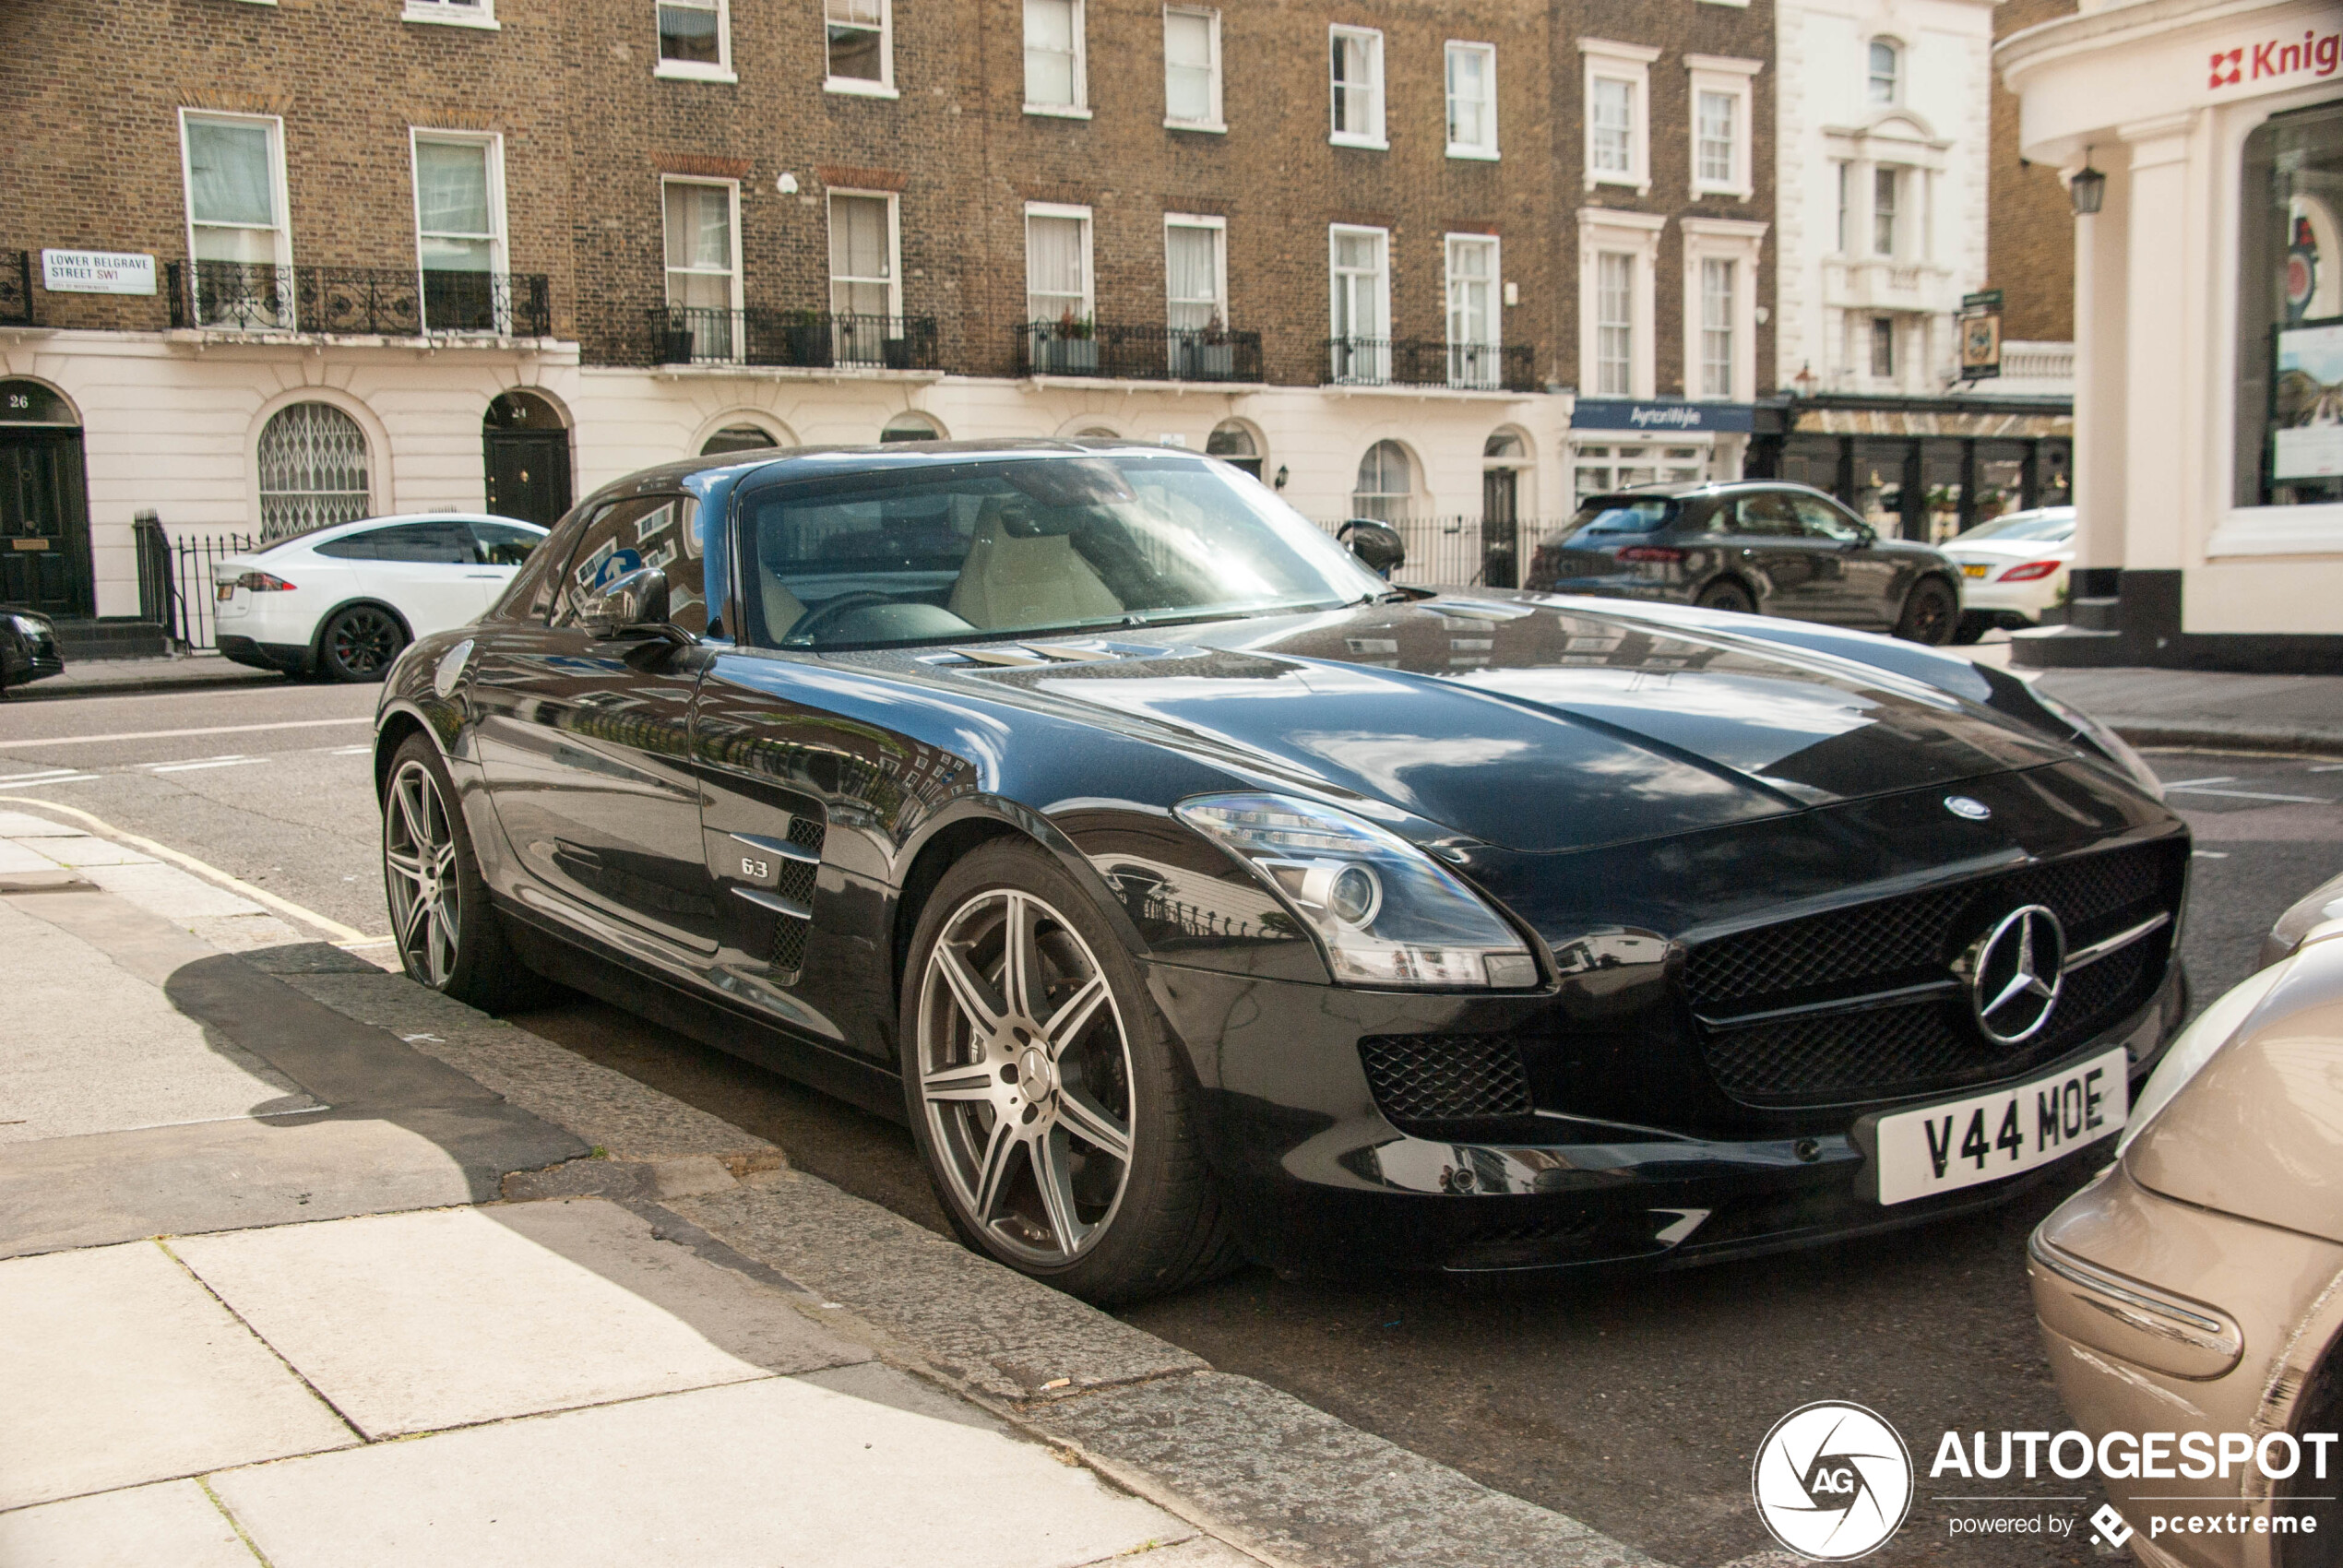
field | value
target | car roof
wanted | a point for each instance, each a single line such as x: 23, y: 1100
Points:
x: 356, y: 525
x: 703, y: 472
x: 1682, y: 489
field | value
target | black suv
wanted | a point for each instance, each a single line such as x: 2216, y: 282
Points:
x: 1759, y: 547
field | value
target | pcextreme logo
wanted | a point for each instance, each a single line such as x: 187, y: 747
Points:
x: 1832, y: 1481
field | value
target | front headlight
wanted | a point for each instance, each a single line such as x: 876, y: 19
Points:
x: 2197, y: 1045
x: 2118, y: 749
x: 1385, y: 912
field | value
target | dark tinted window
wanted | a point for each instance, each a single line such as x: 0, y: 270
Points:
x: 652, y: 530
x: 1625, y: 514
x: 350, y: 547
x: 449, y: 543
x: 506, y: 544
x: 1770, y: 513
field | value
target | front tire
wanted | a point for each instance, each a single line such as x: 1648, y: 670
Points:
x: 1055, y: 1117
x: 447, y: 935
x: 1929, y: 613
x: 1726, y: 595
x: 359, y: 642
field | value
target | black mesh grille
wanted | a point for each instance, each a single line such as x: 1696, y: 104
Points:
x: 795, y: 882
x: 807, y: 832
x: 1882, y: 1052
x: 1421, y: 1078
x: 789, y: 945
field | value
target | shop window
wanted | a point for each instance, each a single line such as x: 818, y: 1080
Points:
x: 2289, y: 405
x: 1598, y: 471
x: 313, y: 471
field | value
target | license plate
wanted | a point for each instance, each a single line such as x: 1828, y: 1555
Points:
x: 1985, y: 1137
x: 1973, y: 571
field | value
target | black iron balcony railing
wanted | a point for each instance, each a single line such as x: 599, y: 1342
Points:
x: 808, y: 338
x: 359, y: 300
x: 15, y: 287
x: 1138, y: 352
x: 1428, y: 361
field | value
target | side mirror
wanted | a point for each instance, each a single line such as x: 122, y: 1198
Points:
x: 1379, y: 548
x: 631, y: 606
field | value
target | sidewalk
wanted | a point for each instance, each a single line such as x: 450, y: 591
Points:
x: 303, y: 1264
x: 126, y: 677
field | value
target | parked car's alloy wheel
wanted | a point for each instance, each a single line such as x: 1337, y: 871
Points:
x: 1054, y: 1118
x: 359, y: 642
x: 448, y: 937
x: 1929, y: 613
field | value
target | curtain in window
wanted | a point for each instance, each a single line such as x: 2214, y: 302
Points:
x: 687, y: 31
x: 1054, y: 270
x: 451, y: 189
x: 1716, y: 138
x: 1192, y: 266
x: 859, y: 264
x: 1049, y: 52
x: 1614, y: 317
x: 231, y: 183
x: 1187, y: 67
x: 1468, y: 98
x: 1716, y: 328
x: 1353, y: 66
x: 1384, y: 485
x: 1614, y: 127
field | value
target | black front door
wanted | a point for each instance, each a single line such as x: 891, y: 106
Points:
x: 1500, y: 526
x: 528, y: 474
x: 44, y: 522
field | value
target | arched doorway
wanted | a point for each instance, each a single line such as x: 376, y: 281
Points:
x: 45, y: 510
x: 1502, y: 457
x: 526, y: 448
x: 1232, y: 440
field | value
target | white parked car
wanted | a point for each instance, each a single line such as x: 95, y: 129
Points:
x: 341, y: 602
x: 2013, y: 568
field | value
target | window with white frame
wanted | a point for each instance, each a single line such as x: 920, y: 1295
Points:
x: 704, y: 264
x: 1846, y: 205
x: 1356, y: 66
x: 462, y: 13
x: 1472, y: 99
x: 1358, y: 262
x: 1055, y: 68
x: 1192, y: 68
x: 1614, y: 324
x: 1885, y: 76
x: 1721, y: 95
x: 1195, y: 274
x: 863, y: 249
x: 1720, y: 306
x: 460, y: 231
x: 1475, y: 315
x: 1617, y: 95
x: 236, y: 230
x: 1385, y: 488
x: 1882, y: 347
x: 1886, y: 185
x: 695, y: 38
x: 1057, y: 265
x: 858, y: 36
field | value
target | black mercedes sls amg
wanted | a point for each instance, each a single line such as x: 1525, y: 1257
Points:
x: 1195, y: 894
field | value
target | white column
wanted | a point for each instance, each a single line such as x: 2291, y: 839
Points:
x: 2103, y: 253
x: 2160, y: 399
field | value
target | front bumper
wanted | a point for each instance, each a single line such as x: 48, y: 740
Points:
x: 1318, y: 1180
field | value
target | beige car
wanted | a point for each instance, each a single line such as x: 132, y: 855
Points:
x: 2196, y: 1287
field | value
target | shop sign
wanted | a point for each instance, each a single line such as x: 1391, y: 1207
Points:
x: 1980, y: 335
x: 1661, y: 419
x: 97, y: 272
x: 2268, y: 64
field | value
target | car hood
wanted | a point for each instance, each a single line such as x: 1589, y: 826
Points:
x: 1529, y: 723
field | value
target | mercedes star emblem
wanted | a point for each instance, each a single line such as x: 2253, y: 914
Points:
x: 1962, y: 805
x: 2013, y: 972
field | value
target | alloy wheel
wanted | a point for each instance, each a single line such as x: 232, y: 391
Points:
x: 362, y: 641
x: 419, y: 864
x: 1025, y: 1077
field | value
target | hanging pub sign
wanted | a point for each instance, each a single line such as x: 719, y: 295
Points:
x: 1980, y: 335
x: 97, y: 272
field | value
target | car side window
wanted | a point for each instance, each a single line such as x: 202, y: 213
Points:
x: 349, y: 547
x: 1769, y: 513
x: 1823, y: 520
x: 647, y: 531
x: 504, y: 544
x: 448, y: 543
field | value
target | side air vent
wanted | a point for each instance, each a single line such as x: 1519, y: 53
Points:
x: 1419, y: 1079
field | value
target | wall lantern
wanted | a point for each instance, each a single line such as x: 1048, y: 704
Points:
x: 2088, y: 187
x: 1803, y: 383
x: 1279, y: 483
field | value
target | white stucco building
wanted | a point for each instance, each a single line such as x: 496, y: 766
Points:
x: 2208, y: 323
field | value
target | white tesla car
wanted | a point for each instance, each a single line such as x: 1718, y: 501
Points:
x: 2013, y: 568
x: 341, y: 602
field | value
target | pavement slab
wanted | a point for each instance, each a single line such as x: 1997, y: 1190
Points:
x: 410, y: 1322
x: 117, y: 1368
x: 776, y: 1471
x: 141, y: 1527
x: 976, y: 1321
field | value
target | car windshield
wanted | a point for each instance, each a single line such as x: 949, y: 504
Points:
x: 1051, y: 544
x: 2042, y: 526
x: 1621, y: 514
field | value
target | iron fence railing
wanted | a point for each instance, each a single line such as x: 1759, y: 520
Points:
x: 807, y: 338
x: 1135, y: 351
x: 359, y: 300
x: 1461, y: 552
x: 15, y: 287
x: 182, y: 600
x: 1431, y: 362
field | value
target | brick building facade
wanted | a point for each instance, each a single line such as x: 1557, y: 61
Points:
x: 1397, y: 255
